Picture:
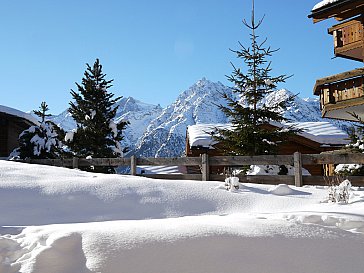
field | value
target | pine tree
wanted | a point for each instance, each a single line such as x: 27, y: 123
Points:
x: 40, y: 141
x: 93, y: 109
x: 252, y: 132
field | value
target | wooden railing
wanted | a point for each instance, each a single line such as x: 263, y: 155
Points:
x: 205, y: 162
x: 348, y: 37
x: 341, y: 91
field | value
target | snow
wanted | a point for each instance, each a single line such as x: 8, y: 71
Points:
x: 18, y: 113
x: 348, y: 168
x: 65, y: 221
x: 272, y: 170
x: 69, y: 136
x: 161, y: 169
x: 281, y: 189
x: 324, y: 3
x: 40, y: 144
x: 321, y: 132
x: 91, y: 116
x: 201, y: 134
x: 114, y: 128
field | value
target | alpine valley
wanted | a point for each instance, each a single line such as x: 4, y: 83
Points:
x: 158, y: 132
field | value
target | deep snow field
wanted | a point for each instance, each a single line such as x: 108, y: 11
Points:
x: 56, y: 220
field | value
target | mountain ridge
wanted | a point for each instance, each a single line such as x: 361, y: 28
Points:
x: 161, y: 132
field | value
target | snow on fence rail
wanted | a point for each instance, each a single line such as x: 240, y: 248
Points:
x: 205, y: 162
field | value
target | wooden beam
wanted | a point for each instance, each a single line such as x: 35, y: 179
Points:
x: 251, y: 160
x: 297, y: 169
x: 174, y: 176
x: 104, y: 162
x: 75, y: 163
x: 133, y: 165
x: 344, y: 158
x: 172, y: 161
x: 205, y: 167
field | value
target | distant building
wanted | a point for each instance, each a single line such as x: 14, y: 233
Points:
x: 342, y: 94
x: 12, y: 123
x: 315, y: 138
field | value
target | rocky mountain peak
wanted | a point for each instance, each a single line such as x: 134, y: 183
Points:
x: 157, y: 132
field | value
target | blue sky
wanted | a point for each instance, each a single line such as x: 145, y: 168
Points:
x: 152, y: 49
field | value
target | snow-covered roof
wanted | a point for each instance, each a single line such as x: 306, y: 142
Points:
x: 18, y: 113
x: 324, y: 3
x: 200, y: 134
x: 321, y: 132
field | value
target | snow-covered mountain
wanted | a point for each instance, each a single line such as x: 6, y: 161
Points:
x: 157, y: 132
x: 166, y: 135
x: 139, y: 114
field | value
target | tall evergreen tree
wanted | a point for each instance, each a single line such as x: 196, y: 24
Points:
x: 93, y: 110
x: 252, y: 132
x: 40, y: 141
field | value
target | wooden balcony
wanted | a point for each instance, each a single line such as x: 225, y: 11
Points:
x: 342, y: 94
x: 348, y: 39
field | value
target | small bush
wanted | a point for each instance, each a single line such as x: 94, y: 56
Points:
x: 339, y: 191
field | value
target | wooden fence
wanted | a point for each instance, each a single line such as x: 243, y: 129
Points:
x: 205, y: 162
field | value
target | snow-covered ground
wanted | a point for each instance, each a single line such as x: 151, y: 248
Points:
x: 56, y: 220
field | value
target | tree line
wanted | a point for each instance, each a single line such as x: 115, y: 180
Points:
x: 96, y: 135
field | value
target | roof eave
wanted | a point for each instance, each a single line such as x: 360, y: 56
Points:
x: 325, y: 12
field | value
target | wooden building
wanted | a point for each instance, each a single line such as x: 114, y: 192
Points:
x: 12, y: 123
x: 315, y: 138
x: 343, y: 94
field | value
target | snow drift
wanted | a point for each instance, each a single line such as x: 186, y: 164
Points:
x: 65, y: 221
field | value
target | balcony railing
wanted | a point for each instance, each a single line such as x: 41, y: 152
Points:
x: 348, y: 39
x: 342, y: 93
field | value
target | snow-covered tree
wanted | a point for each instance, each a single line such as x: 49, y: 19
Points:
x: 356, y: 145
x: 251, y: 132
x: 40, y: 141
x: 93, y: 110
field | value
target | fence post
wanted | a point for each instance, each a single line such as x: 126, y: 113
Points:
x: 205, y: 167
x: 133, y: 165
x: 75, y: 163
x: 297, y: 160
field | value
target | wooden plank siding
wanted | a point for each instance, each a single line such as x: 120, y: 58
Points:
x: 326, y: 81
x: 341, y: 94
x: 348, y: 39
x: 10, y: 129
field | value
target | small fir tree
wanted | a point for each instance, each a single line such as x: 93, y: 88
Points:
x: 252, y: 132
x: 93, y: 110
x: 40, y: 141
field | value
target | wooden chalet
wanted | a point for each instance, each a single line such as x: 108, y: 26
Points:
x: 12, y: 123
x: 343, y: 94
x: 315, y: 138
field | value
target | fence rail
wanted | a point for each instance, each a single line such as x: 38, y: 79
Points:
x: 205, y: 162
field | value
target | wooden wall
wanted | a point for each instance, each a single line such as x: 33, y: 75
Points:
x: 10, y: 129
